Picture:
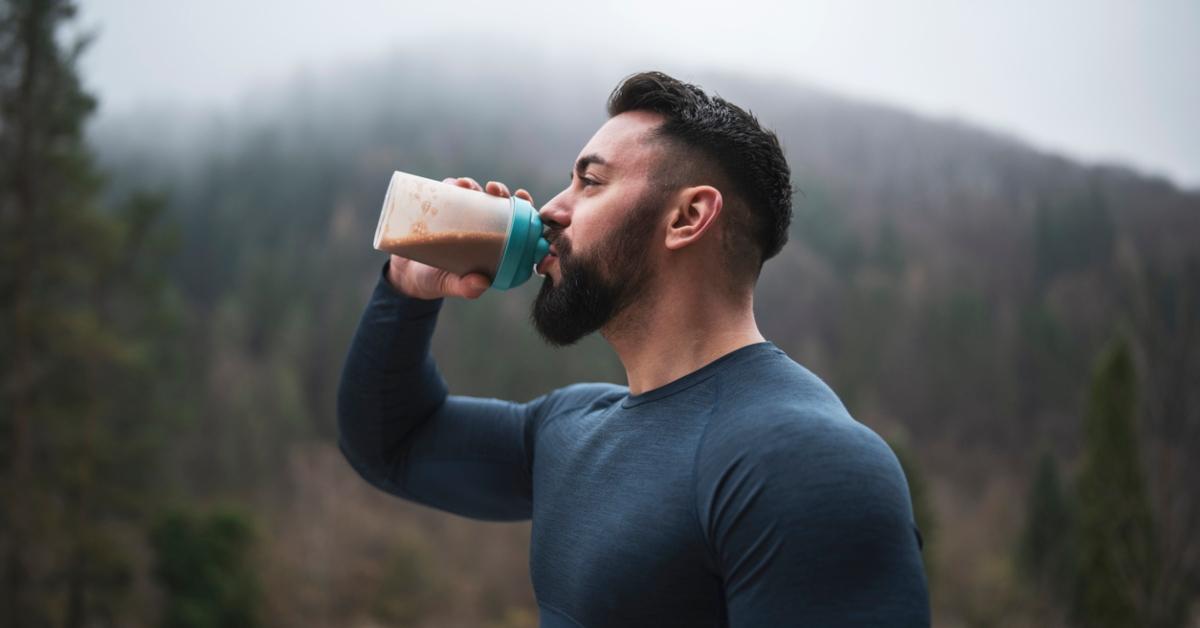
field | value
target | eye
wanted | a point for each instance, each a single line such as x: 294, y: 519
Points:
x: 584, y: 181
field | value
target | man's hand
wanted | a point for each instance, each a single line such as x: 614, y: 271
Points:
x: 426, y: 282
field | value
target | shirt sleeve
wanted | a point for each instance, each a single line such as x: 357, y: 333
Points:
x: 403, y: 433
x: 809, y: 523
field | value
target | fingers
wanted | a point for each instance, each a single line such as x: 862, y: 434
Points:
x: 476, y: 285
x: 471, y: 286
x: 464, y: 182
x: 495, y: 188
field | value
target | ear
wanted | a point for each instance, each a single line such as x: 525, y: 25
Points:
x: 695, y: 213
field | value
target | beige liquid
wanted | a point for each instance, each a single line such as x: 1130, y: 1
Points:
x: 459, y: 252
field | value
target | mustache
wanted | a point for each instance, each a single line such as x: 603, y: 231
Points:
x: 561, y: 244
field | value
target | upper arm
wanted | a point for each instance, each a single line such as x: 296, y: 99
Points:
x: 402, y: 431
x: 809, y: 522
x: 470, y: 457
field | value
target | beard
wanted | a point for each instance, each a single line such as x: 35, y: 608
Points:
x: 596, y: 288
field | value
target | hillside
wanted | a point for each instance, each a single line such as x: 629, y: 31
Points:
x: 952, y: 284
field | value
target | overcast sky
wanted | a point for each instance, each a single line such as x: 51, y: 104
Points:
x: 1111, y: 80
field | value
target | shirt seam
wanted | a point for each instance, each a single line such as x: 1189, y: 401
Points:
x: 535, y: 424
x: 563, y: 613
x: 709, y: 552
x: 714, y: 373
x: 458, y: 459
x: 529, y: 439
x: 670, y: 394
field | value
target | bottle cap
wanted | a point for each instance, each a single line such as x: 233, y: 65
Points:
x: 523, y: 248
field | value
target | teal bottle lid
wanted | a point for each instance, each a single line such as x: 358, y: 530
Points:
x: 523, y: 249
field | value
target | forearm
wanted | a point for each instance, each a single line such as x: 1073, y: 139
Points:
x: 389, y: 384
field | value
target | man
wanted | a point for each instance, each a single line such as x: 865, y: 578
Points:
x: 726, y: 485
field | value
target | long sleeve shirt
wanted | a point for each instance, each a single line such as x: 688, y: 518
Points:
x: 742, y: 494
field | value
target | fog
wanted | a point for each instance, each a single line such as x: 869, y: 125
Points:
x: 1099, y: 81
x: 181, y: 284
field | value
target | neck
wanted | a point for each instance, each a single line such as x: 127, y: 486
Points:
x: 679, y: 331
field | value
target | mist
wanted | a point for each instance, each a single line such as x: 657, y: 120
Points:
x: 986, y: 254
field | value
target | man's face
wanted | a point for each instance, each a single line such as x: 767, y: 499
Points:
x: 600, y: 230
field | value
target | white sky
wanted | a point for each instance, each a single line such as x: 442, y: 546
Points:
x: 1112, y: 80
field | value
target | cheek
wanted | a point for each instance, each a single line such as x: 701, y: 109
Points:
x: 597, y: 217
x: 585, y: 229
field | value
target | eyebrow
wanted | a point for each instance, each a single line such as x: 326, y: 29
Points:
x: 583, y: 162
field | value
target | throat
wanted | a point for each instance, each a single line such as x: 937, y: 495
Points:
x: 657, y: 350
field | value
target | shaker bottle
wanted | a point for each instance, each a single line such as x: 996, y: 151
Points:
x: 461, y: 230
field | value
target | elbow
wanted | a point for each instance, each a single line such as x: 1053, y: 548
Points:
x: 354, y: 437
x: 352, y: 422
x: 345, y: 408
x: 375, y: 473
x: 368, y: 441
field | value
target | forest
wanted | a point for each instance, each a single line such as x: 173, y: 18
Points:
x: 179, y: 290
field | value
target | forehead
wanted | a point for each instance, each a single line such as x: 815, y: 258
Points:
x: 623, y: 142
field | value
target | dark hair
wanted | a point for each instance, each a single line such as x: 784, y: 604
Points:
x: 722, y: 135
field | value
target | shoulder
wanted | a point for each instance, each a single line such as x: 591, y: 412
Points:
x: 773, y: 380
x: 780, y: 427
x: 803, y: 452
x: 775, y: 404
x: 805, y: 511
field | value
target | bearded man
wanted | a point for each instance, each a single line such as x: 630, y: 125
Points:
x: 726, y: 484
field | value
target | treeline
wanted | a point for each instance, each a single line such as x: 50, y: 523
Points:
x: 90, y: 360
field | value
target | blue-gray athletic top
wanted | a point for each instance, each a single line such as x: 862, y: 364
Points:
x: 742, y: 494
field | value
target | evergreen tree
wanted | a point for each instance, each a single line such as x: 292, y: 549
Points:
x: 82, y: 320
x: 1046, y: 552
x: 923, y: 514
x: 1115, y: 529
x: 204, y: 570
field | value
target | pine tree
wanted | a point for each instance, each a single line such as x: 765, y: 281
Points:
x: 1046, y: 552
x: 82, y: 320
x: 923, y: 513
x: 1115, y: 529
x: 203, y: 567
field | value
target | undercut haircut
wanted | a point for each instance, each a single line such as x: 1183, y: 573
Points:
x: 717, y: 143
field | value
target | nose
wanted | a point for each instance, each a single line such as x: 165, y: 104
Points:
x: 554, y: 214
